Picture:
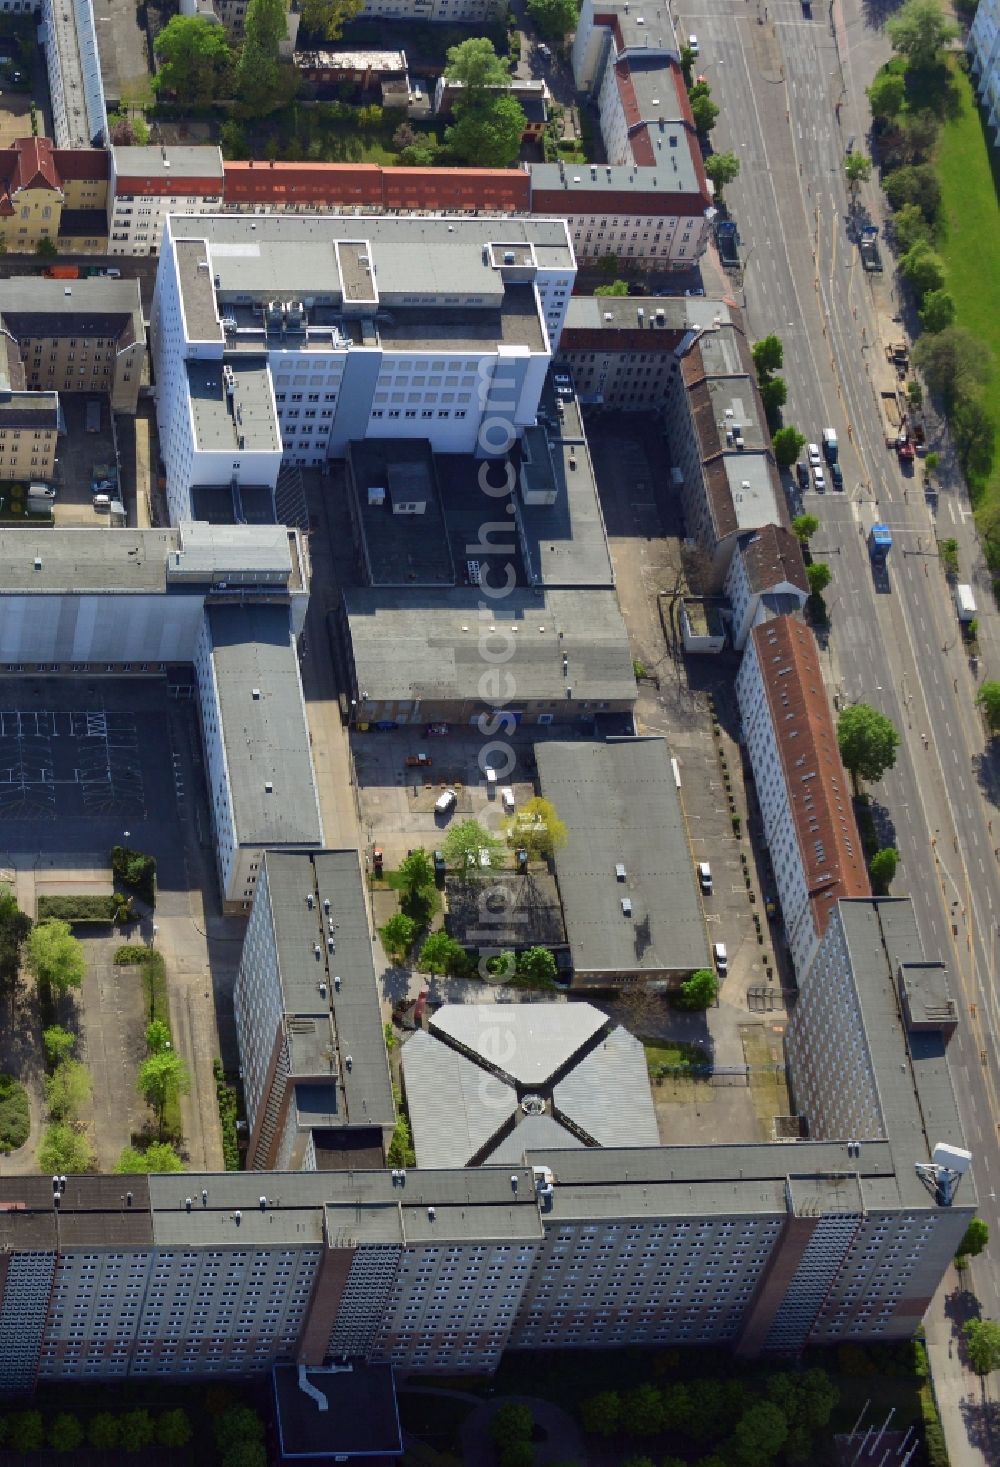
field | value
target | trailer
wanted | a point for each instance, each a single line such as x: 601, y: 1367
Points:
x: 871, y: 258
x: 893, y: 411
x: 965, y: 604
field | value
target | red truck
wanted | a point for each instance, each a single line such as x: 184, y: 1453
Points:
x: 62, y: 272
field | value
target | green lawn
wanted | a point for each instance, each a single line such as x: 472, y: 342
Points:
x: 678, y: 1055
x: 970, y: 234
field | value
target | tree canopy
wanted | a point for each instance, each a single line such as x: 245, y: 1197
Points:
x: 768, y: 355
x: 487, y: 133
x: 722, y: 168
x: 804, y: 527
x: 157, y: 1157
x: 15, y: 926
x: 916, y: 183
x: 64, y: 1149
x: 327, y: 18
x: 263, y: 80
x: 554, y: 19
x: 883, y: 869
x: 788, y: 443
x: 954, y: 363
x: 476, y: 65
x: 699, y: 991
x: 988, y: 699
x: 195, y: 59
x: 868, y: 741
x: 819, y: 576
x: 923, y: 269
x: 910, y: 226
x: 55, y: 956
x: 536, y: 828
x: 937, y: 310
x: 616, y: 287
x: 887, y: 94
x: 58, y: 1043
x: 537, y: 964
x: 920, y: 30
x: 398, y: 935
x: 704, y: 112
x: 67, y: 1089
x: 464, y: 845
x: 982, y: 1342
x: 417, y: 871
x: 975, y: 1238
x: 162, y: 1078
x: 441, y: 954
x: 858, y: 168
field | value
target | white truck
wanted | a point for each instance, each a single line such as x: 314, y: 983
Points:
x: 965, y: 603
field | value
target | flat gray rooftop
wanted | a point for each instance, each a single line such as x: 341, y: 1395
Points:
x: 606, y: 1094
x: 565, y: 542
x: 455, y: 1106
x: 530, y: 1043
x: 621, y: 806
x: 63, y: 561
x: 413, y: 645
x: 33, y: 305
x: 223, y: 418
x: 400, y: 550
x: 324, y: 1028
x: 169, y: 162
x: 237, y: 554
x: 201, y: 319
x: 263, y: 717
x: 680, y: 313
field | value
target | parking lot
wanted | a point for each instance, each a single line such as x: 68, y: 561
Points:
x: 397, y: 800
x: 79, y: 451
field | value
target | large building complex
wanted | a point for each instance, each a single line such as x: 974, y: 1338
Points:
x: 984, y: 51
x: 802, y: 787
x: 76, y: 91
x: 280, y: 338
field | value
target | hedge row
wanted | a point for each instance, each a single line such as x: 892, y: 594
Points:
x: 103, y: 909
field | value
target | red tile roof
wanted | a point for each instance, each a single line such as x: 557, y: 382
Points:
x: 83, y: 164
x: 818, y: 787
x: 302, y: 183
x: 35, y: 164
x: 506, y: 190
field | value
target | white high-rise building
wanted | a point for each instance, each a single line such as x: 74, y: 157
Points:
x: 984, y: 50
x: 280, y: 339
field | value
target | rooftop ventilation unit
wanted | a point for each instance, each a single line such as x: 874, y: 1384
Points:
x: 620, y: 871
x: 509, y: 257
x: 626, y: 906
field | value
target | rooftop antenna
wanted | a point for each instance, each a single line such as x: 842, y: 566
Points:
x: 942, y: 1174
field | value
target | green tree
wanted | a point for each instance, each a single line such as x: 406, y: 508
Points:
x: 858, y: 169
x: 537, y: 828
x: 127, y: 131
x: 161, y: 1079
x: 910, y: 227
x: 988, y: 699
x: 67, y: 1089
x: 64, y: 1149
x: 261, y: 80
x: 883, y: 868
x: 760, y: 1435
x: 555, y: 19
x: 15, y: 926
x: 887, y: 94
x: 238, y: 1427
x: 679, y: 1409
x: 768, y: 356
x: 46, y: 248
x: 246, y: 1454
x: 868, y: 742
x: 601, y: 1414
x: 937, y: 310
x: 517, y: 1454
x: 65, y: 1433
x: 616, y: 287
x: 704, y: 113
x: 921, y: 130
x: 923, y: 269
x: 699, y: 991
x: 642, y: 1411
x: 975, y: 1238
x: 722, y: 169
x: 931, y: 465
x: 512, y: 1423
x: 398, y: 936
x: 173, y: 1428
x: 54, y: 955
x: 464, y: 844
x: 477, y: 67
x: 195, y: 59
x: 804, y: 527
x: 819, y: 576
x: 102, y: 1432
x: 788, y: 443
x: 608, y: 265
x: 920, y: 31
x: 982, y: 1343
x: 974, y: 432
x: 538, y: 964
x: 157, y: 1036
x: 441, y: 954
x: 136, y: 1431
x: 327, y: 18
x: 774, y: 394
x: 58, y: 1044
x: 27, y: 1431
x: 416, y: 872
x: 954, y: 363
x: 915, y: 397
x: 915, y: 184
x: 159, y: 1156
x: 488, y: 133
x: 817, y: 1399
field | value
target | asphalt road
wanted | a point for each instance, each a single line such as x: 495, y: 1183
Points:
x: 895, y: 645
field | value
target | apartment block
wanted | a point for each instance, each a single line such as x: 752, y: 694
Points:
x: 281, y: 339
x: 455, y: 12
x: 150, y: 182
x: 52, y: 193
x: 767, y: 578
x: 73, y: 64
x: 802, y: 787
x: 722, y: 461
x: 984, y: 56
x: 29, y: 424
x: 83, y: 336
x: 623, y: 351
x: 303, y: 188
x: 316, y: 1078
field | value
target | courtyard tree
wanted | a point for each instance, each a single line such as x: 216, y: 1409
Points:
x: 538, y: 965
x: 487, y: 133
x: 195, y: 62
x: 416, y: 873
x: 920, y: 30
x: 27, y: 1432
x: 988, y: 699
x: 699, y: 991
x: 157, y: 1036
x: 536, y: 828
x: 788, y: 443
x: 512, y: 1423
x: 263, y: 80
x: 63, y: 1148
x: 615, y: 287
x: 601, y: 1414
x: 554, y: 19
x: 441, y: 954
x: 15, y: 926
x: 327, y: 18
x: 238, y: 1427
x: 642, y: 1411
x: 465, y: 844
x: 159, y: 1156
x: 722, y: 169
x: 173, y: 1428
x: 65, y: 1432
x: 102, y: 1433
x: 475, y: 65
x: 136, y: 1431
x: 54, y: 955
x: 67, y: 1089
x: 982, y: 1342
x: 804, y: 527
x: 868, y: 742
x: 127, y: 131
x: 46, y: 248
x: 398, y: 935
x: 58, y: 1044
x: 759, y: 1436
x: 162, y: 1078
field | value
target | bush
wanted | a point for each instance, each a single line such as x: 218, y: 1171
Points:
x: 136, y: 871
x: 114, y: 908
x: 15, y: 1114
x: 226, y: 1096
x: 937, y: 1451
x: 154, y: 976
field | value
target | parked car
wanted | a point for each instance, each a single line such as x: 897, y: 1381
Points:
x: 693, y: 46
x: 721, y: 957
x: 837, y: 475
x: 815, y: 457
x: 802, y: 474
x: 445, y: 802
x: 705, y: 877
x: 819, y: 479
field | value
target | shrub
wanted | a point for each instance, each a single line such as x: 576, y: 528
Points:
x: 136, y: 871
x: 15, y: 1114
x: 937, y: 1452
x: 114, y: 908
x: 226, y: 1096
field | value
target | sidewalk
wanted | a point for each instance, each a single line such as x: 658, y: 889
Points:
x: 969, y: 1407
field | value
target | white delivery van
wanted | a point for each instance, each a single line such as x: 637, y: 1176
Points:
x: 102, y: 503
x: 445, y: 801
x: 721, y: 957
x: 41, y: 491
x: 507, y: 800
x: 705, y: 877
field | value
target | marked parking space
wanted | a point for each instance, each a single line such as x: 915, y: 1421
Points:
x: 69, y: 763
